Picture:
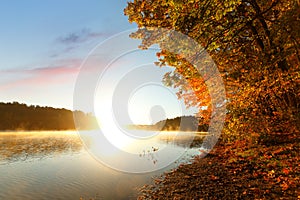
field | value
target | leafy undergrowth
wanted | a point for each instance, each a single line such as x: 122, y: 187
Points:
x: 234, y: 171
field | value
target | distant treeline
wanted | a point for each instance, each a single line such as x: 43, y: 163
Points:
x: 184, y: 123
x: 16, y: 116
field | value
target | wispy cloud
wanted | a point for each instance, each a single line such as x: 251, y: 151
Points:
x: 59, y: 73
x: 55, y: 70
x: 63, y: 65
x: 80, y: 36
x: 78, y: 41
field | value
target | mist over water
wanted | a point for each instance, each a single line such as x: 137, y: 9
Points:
x: 56, y: 165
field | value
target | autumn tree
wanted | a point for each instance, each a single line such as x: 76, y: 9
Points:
x: 255, y: 45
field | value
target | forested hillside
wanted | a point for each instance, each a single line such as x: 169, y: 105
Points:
x: 254, y: 46
x: 16, y: 116
x: 184, y: 123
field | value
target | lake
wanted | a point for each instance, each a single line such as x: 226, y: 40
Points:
x: 56, y: 165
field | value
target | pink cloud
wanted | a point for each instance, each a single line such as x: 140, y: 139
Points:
x: 57, y: 74
x: 59, y: 70
x: 60, y: 73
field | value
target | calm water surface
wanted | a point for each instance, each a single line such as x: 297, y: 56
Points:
x: 55, y: 165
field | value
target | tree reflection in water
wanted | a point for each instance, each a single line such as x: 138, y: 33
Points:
x: 26, y: 146
x: 186, y: 140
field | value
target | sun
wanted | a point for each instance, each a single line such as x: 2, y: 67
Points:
x: 114, y: 132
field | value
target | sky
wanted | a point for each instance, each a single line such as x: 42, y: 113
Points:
x: 43, y: 45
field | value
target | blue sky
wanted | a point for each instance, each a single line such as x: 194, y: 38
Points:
x: 33, y: 30
x: 43, y: 43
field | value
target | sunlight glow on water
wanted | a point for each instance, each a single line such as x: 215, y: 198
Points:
x: 55, y: 165
x: 142, y: 155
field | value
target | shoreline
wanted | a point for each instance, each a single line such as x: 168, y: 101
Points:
x: 233, y: 171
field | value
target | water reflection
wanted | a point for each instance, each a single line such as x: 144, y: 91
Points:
x: 25, y: 146
x: 60, y: 168
x: 185, y: 139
